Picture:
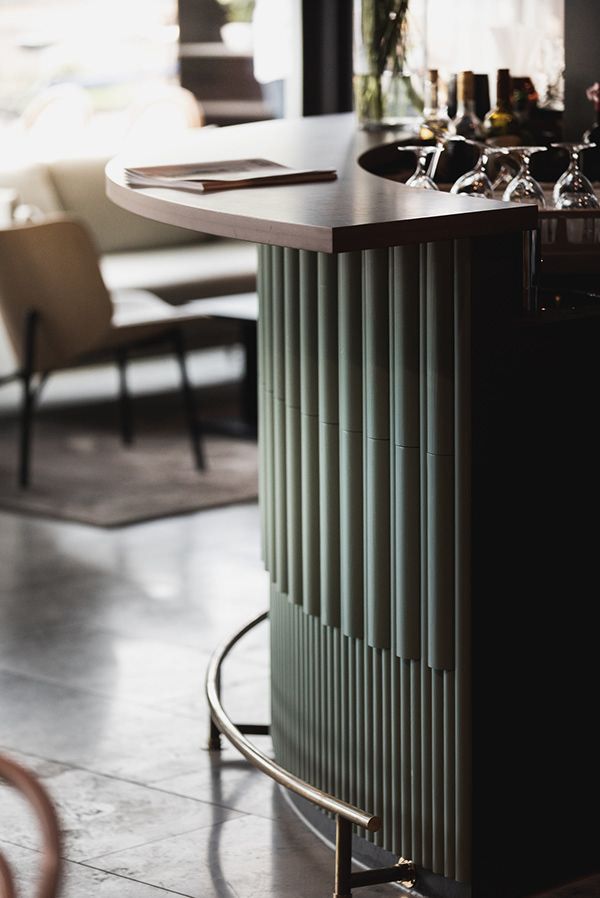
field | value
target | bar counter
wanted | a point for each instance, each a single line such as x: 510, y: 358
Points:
x: 422, y: 433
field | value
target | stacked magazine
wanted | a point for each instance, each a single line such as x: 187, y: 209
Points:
x: 224, y: 175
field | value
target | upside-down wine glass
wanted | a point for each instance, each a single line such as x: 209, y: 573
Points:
x: 477, y: 182
x: 524, y: 188
x: 574, y: 190
x: 420, y: 177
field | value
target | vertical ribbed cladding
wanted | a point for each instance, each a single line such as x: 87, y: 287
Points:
x: 406, y: 426
x: 292, y: 424
x: 329, y: 453
x: 351, y: 443
x: 440, y: 455
x: 309, y: 431
x: 260, y: 286
x: 268, y: 423
x: 279, y: 418
x: 385, y: 726
x: 422, y: 718
x: 440, y: 405
x: 462, y: 374
x: 376, y: 497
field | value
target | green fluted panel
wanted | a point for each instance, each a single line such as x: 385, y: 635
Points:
x: 449, y: 776
x: 462, y: 374
x: 425, y: 843
x: 396, y: 797
x: 359, y: 669
x: 338, y: 728
x: 329, y: 522
x: 440, y: 555
x: 351, y: 533
x: 406, y: 427
x: 323, y: 753
x: 309, y: 427
x: 426, y: 771
x: 329, y: 451
x: 406, y: 372
x: 279, y: 418
x: 378, y: 727
x: 293, y: 479
x: 368, y: 729
x: 376, y: 326
x: 440, y: 348
x: 268, y: 422
x: 351, y: 443
x: 407, y: 543
x: 292, y: 425
x: 377, y: 542
x: 437, y: 767
x: 440, y: 448
x: 404, y: 762
x: 415, y: 751
x: 262, y: 479
x: 376, y: 329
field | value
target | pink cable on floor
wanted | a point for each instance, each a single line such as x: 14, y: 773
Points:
x: 26, y: 783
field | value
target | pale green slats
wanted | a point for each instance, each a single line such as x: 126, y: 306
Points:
x: 262, y: 479
x: 279, y: 419
x: 404, y: 756
x: 309, y: 427
x: 329, y: 453
x: 462, y: 313
x: 291, y: 267
x: 440, y: 452
x: 265, y: 319
x: 351, y: 443
x: 423, y: 857
x: 406, y: 426
x: 449, y: 865
x: 389, y: 733
x: 369, y: 730
x: 377, y: 447
x: 438, y: 770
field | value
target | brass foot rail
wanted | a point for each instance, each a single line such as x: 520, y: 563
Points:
x: 345, y: 814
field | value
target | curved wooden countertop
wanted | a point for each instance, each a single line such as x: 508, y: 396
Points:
x: 359, y: 210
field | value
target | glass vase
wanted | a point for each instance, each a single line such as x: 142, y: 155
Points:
x: 389, y: 62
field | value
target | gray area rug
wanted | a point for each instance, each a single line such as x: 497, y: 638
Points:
x: 81, y: 471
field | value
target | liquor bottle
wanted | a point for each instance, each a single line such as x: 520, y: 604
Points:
x: 465, y: 123
x: 501, y: 124
x: 435, y: 121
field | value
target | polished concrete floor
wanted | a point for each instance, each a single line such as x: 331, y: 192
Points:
x: 104, y: 640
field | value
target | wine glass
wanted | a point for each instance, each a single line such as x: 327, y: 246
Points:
x: 420, y: 177
x: 477, y: 182
x: 524, y: 188
x: 573, y: 190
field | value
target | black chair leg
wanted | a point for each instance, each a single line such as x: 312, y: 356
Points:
x: 194, y: 427
x: 28, y: 400
x: 125, y: 408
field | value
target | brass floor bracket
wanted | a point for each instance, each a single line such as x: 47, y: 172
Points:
x: 404, y: 872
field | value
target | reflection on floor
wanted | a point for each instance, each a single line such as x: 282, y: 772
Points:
x: 104, y: 640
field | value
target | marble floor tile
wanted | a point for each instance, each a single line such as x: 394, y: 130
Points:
x: 251, y: 857
x: 99, y: 814
x: 77, y: 880
x: 230, y: 781
x: 115, y: 738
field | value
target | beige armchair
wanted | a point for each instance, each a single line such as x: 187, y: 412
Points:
x: 59, y: 314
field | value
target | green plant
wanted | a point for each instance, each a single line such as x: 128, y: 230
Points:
x: 384, y: 36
